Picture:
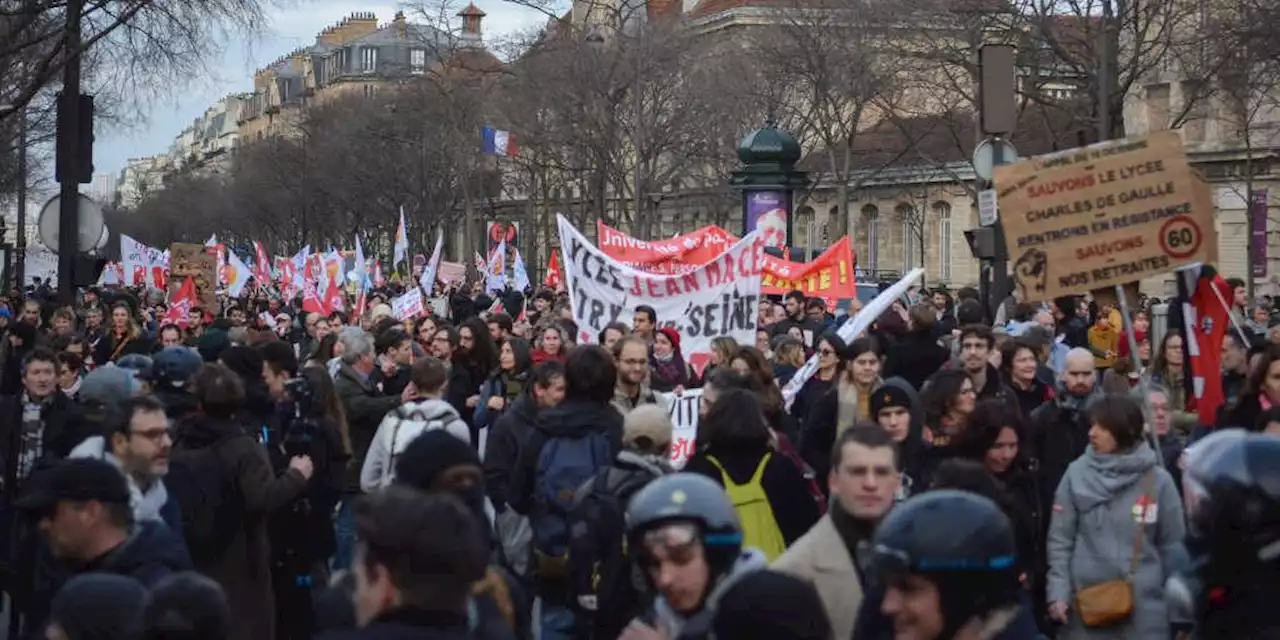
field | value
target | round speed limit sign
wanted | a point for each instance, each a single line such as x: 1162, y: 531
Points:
x: 1180, y: 237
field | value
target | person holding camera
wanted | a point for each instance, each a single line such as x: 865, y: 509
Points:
x: 309, y: 421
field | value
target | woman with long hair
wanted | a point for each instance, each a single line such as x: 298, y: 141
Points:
x: 749, y: 362
x: 1167, y: 370
x: 788, y: 357
x: 948, y: 398
x: 847, y: 403
x: 733, y: 448
x: 723, y: 348
x: 830, y: 363
x: 505, y: 385
x: 1261, y: 393
x: 995, y: 438
x: 122, y: 337
x: 324, y: 351
x: 667, y: 367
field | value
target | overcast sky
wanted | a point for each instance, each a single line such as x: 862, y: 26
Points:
x: 233, y: 66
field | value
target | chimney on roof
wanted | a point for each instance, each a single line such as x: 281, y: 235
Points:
x: 401, y: 27
x: 471, y: 17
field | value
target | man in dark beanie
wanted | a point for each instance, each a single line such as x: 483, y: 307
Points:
x: 768, y: 605
x: 99, y: 606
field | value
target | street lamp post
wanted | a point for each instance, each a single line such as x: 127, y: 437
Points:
x: 768, y: 180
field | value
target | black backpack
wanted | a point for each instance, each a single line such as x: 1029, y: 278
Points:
x: 600, y: 572
x: 211, y: 505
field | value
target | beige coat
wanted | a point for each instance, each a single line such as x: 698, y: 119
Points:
x: 821, y: 558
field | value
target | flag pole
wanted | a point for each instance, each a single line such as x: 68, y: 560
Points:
x: 1144, y: 381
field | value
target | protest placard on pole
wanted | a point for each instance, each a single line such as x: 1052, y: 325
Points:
x: 718, y: 299
x: 409, y: 305
x: 683, y: 410
x: 1104, y: 215
x: 187, y: 259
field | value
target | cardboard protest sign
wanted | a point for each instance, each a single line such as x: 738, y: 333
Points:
x: 188, y: 259
x: 1103, y: 215
x: 718, y: 299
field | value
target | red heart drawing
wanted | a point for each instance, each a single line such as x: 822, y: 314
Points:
x: 699, y: 362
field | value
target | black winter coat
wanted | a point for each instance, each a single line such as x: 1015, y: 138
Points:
x: 365, y: 408
x: 502, y: 450
x: 244, y: 569
x: 916, y: 357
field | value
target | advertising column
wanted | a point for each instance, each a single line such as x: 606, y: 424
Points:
x: 767, y: 211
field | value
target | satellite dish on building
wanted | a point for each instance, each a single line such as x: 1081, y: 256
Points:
x: 92, y: 233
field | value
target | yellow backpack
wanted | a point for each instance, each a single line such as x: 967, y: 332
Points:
x: 759, y: 526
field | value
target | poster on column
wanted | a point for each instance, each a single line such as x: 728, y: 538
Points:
x: 767, y: 213
x: 718, y: 299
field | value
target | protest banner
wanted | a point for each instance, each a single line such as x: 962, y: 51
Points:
x: 1103, y: 215
x: 718, y: 299
x: 830, y: 276
x: 409, y: 305
x: 681, y: 254
x: 189, y: 259
x: 683, y: 410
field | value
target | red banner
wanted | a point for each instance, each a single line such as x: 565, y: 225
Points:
x: 830, y: 276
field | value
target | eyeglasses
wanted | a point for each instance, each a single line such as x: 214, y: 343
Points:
x: 154, y: 435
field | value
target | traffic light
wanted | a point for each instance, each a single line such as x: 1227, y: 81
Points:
x: 75, y: 139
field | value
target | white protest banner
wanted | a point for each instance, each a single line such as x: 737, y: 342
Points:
x: 720, y: 298
x: 409, y: 305
x: 852, y: 328
x: 683, y: 410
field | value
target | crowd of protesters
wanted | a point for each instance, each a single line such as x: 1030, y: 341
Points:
x: 258, y: 472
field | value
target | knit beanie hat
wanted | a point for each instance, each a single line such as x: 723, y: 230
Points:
x: 769, y: 605
x: 100, y: 606
x: 429, y: 455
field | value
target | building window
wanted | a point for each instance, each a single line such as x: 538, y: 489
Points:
x: 871, y: 219
x: 942, y: 211
x: 369, y: 59
x: 910, y: 235
x: 417, y: 61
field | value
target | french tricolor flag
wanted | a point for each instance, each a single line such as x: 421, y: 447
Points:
x: 499, y: 143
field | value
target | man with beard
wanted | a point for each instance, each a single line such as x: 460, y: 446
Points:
x: 864, y: 479
x: 632, y: 356
x: 137, y: 443
x: 1060, y: 428
x: 1235, y: 367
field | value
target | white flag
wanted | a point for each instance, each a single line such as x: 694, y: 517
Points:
x: 496, y: 270
x: 522, y: 276
x: 238, y: 274
x: 401, y: 247
x: 428, y: 280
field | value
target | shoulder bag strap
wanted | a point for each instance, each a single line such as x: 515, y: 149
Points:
x: 1148, y: 483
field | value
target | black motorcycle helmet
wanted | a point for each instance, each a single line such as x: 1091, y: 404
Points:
x: 1232, y: 490
x: 172, y: 367
x: 960, y: 541
x: 688, y: 497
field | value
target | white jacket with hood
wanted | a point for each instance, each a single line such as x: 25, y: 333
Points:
x: 400, y: 427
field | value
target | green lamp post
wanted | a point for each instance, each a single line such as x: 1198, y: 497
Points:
x: 768, y: 180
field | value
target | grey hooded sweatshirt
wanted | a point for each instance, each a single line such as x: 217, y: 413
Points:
x: 1096, y: 513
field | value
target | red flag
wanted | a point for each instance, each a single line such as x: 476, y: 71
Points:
x: 554, y: 278
x: 180, y: 306
x: 311, y: 302
x: 1205, y: 319
x: 262, y: 270
x: 333, y: 297
x: 362, y: 301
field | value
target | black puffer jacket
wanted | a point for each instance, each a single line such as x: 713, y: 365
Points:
x: 502, y: 450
